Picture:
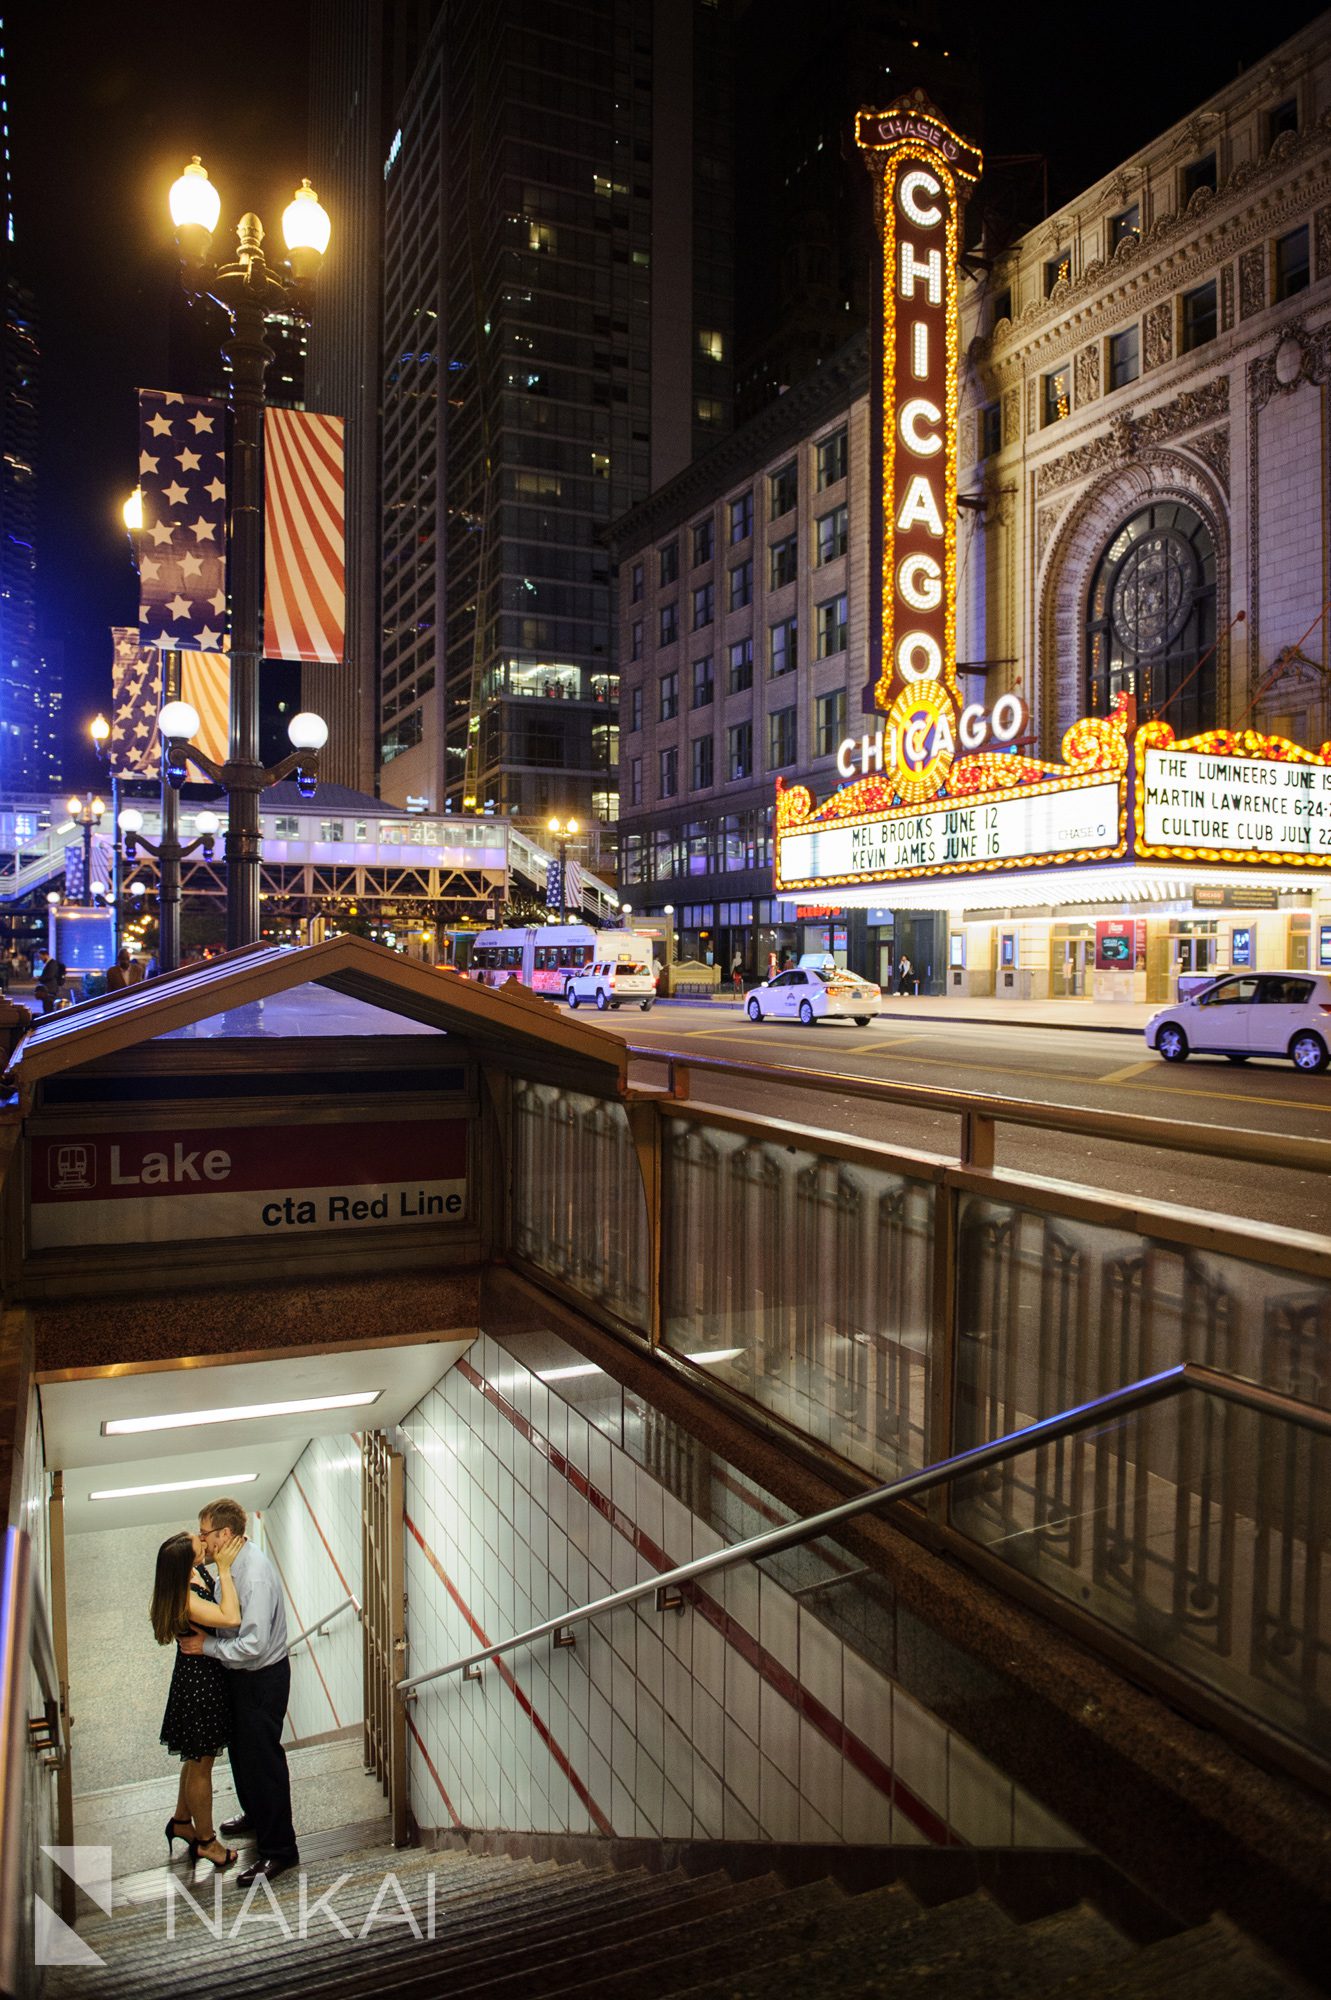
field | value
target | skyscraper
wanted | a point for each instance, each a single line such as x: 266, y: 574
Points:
x: 557, y: 338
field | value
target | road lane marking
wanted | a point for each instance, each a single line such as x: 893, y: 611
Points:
x: 1132, y: 1069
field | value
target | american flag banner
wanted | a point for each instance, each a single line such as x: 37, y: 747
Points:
x: 573, y: 885
x: 136, y: 696
x: 101, y: 867
x: 552, y: 885
x: 305, y: 558
x: 182, y: 544
x: 205, y: 683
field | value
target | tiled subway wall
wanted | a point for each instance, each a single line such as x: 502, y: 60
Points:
x: 312, y: 1532
x: 746, y: 1717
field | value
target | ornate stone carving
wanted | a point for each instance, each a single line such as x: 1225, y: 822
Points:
x: 1213, y: 446
x: 1045, y: 523
x: 1226, y: 297
x: 1087, y: 375
x: 1322, y: 242
x: 1012, y: 416
x: 1252, y: 281
x: 1032, y: 409
x: 1128, y: 436
x: 1158, y: 335
x: 1298, y: 356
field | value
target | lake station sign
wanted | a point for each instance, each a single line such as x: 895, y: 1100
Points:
x: 245, y: 1180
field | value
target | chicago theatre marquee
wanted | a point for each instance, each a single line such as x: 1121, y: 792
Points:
x: 1092, y: 754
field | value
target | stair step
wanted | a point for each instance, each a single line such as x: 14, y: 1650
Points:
x: 1212, y: 1959
x: 701, y: 1942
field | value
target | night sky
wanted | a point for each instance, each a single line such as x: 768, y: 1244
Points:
x: 106, y: 107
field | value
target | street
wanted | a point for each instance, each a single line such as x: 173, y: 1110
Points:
x: 1066, y: 1066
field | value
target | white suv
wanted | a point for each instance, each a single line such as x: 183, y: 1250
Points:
x: 613, y: 982
x: 1250, y: 1014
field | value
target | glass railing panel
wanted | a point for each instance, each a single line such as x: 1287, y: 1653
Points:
x: 805, y: 1282
x: 1052, y: 1311
x: 579, y: 1210
x: 1197, y: 1529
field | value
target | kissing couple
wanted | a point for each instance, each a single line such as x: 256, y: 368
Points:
x: 229, y: 1689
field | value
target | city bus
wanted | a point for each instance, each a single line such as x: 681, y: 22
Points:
x: 544, y: 958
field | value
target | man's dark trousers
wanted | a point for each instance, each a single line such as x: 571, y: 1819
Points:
x: 258, y: 1761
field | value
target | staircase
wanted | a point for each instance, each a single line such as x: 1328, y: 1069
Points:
x: 495, y: 1925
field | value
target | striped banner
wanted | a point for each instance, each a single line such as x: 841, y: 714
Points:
x: 304, y: 537
x: 205, y: 683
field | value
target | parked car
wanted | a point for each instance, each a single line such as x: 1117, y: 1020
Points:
x: 613, y: 982
x: 810, y: 994
x: 1249, y: 1014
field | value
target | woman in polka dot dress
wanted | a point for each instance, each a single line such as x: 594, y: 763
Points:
x: 197, y: 1721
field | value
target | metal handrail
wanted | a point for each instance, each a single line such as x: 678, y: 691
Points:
x: 327, y: 1619
x: 25, y: 1642
x: 1125, y: 1127
x: 1119, y: 1402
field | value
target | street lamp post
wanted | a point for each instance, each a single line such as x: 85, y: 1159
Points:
x: 100, y: 731
x: 247, y: 290
x: 564, y: 830
x: 169, y: 852
x: 86, y: 813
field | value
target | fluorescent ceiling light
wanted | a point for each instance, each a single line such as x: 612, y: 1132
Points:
x: 221, y: 1484
x: 180, y: 1420
x: 567, y: 1374
x: 715, y: 1354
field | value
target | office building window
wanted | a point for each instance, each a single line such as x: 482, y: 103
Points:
x: 1197, y: 317
x: 702, y: 764
x: 1198, y: 174
x: 704, y: 600
x: 669, y: 707
x: 782, y: 490
x: 1124, y: 357
x: 711, y: 345
x: 831, y: 533
x: 635, y: 639
x: 741, y: 585
x: 669, y: 785
x: 739, y: 666
x: 635, y: 709
x: 832, y: 459
x: 739, y: 751
x: 782, y: 739
x: 1057, y: 398
x: 1057, y: 270
x: 1282, y: 118
x: 830, y: 715
x: 783, y: 647
x: 1002, y: 307
x: 669, y: 624
x: 635, y: 781
x: 668, y: 558
x: 832, y: 627
x: 1125, y: 227
x: 990, y: 436
x: 783, y: 562
x: 1291, y: 271
x: 702, y: 542
x: 638, y: 582
x: 704, y: 686
x: 709, y: 410
x: 741, y: 518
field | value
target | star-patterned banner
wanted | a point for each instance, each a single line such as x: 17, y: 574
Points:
x: 182, y: 544
x: 136, y: 696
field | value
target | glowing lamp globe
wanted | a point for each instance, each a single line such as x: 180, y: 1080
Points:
x: 99, y: 729
x: 131, y: 820
x: 206, y: 823
x: 194, y: 202
x: 132, y: 511
x: 73, y: 807
x: 306, y: 229
x: 178, y: 721
x: 307, y: 731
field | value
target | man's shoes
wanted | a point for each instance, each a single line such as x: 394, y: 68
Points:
x: 268, y: 1868
x: 231, y: 1827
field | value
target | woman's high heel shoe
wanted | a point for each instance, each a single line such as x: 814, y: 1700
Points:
x: 231, y: 1854
x: 173, y: 1835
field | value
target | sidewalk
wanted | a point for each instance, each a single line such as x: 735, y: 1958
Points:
x: 1101, y: 1017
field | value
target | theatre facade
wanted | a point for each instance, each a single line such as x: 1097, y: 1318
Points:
x: 1034, y: 648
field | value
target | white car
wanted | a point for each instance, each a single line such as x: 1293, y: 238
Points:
x: 621, y: 982
x: 1249, y: 1014
x: 809, y: 994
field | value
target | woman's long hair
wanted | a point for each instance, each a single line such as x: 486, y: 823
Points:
x: 169, y: 1610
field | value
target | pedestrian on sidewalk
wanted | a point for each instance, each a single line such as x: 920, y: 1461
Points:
x: 905, y: 975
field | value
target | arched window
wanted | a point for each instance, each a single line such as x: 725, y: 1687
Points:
x: 1150, y: 619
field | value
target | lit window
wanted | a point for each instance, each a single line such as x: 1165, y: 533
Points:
x: 711, y: 345
x: 783, y: 647
x: 1057, y: 270
x: 832, y: 535
x: 832, y: 627
x: 1057, y: 394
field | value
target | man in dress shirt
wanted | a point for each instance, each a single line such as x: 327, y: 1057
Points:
x: 259, y: 1683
